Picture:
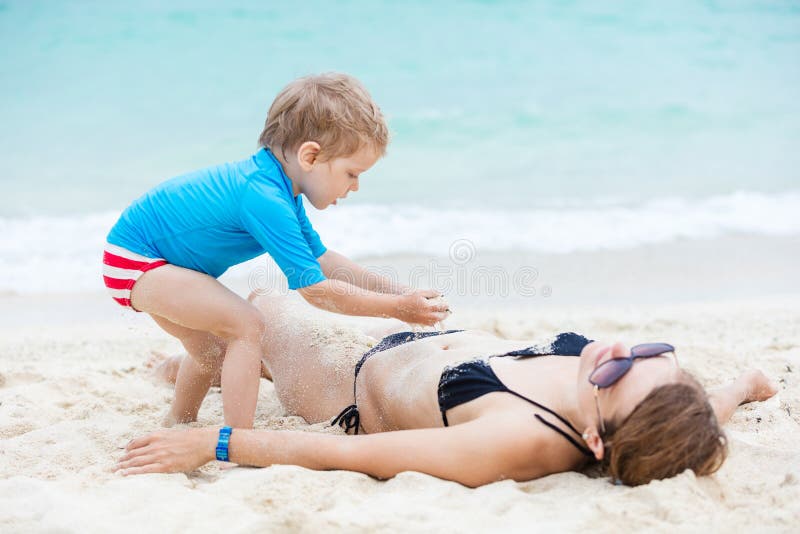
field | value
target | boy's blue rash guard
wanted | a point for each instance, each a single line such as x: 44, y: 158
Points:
x: 211, y: 219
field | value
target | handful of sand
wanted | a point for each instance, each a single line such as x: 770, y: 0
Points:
x: 436, y: 301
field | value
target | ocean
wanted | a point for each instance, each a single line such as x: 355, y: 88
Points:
x: 539, y: 126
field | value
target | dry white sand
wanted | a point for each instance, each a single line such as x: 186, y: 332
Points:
x: 73, y: 390
x: 72, y: 395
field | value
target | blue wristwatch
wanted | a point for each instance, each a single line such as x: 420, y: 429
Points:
x: 222, y: 444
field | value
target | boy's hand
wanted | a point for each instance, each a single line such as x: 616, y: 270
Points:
x: 426, y: 307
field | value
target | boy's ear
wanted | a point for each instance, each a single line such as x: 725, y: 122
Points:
x: 307, y: 155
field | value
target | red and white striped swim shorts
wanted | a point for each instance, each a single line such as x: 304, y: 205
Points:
x: 122, y: 268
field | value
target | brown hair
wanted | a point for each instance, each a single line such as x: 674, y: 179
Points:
x: 332, y: 109
x: 673, y: 429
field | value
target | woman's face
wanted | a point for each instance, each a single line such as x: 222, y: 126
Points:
x: 619, y: 400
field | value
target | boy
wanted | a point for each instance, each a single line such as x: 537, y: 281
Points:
x: 167, y: 249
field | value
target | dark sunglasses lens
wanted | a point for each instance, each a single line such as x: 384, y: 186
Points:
x: 651, y: 349
x: 609, y: 372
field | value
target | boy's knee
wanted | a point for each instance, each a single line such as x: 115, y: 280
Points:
x: 269, y: 305
x: 248, y: 325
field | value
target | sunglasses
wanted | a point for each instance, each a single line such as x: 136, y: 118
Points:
x: 609, y: 372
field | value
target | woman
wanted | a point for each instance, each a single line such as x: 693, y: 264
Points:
x: 469, y: 407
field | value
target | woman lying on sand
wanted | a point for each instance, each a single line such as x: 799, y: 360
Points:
x: 468, y: 406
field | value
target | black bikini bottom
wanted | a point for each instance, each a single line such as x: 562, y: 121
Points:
x: 349, y: 418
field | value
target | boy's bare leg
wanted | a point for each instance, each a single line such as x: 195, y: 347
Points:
x: 191, y: 386
x: 749, y: 387
x: 194, y: 374
x: 165, y: 368
x: 188, y: 302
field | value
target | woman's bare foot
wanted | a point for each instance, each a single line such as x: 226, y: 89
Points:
x: 758, y: 386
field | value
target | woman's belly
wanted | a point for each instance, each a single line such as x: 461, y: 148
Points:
x: 397, y: 389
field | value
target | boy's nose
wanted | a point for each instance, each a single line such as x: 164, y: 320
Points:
x: 354, y: 187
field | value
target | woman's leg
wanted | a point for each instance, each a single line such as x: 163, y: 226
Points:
x: 311, y: 356
x: 378, y: 328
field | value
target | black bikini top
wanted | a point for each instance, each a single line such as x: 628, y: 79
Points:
x: 470, y: 380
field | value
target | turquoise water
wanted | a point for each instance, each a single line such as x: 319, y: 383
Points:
x: 547, y: 126
x: 505, y: 103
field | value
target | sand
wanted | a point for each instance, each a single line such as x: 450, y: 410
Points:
x: 73, y: 391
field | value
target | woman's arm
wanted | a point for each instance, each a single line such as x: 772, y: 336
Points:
x: 749, y: 387
x: 473, y: 454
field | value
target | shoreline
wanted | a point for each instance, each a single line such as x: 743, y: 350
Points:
x: 732, y: 269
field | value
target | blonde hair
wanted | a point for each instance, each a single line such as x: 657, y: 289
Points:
x: 332, y: 109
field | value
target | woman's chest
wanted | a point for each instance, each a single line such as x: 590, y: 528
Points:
x: 406, y: 389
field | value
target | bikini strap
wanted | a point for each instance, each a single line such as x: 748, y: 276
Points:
x: 545, y: 408
x: 585, y: 451
x: 569, y: 438
x: 349, y: 419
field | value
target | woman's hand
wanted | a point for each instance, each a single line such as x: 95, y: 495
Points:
x: 758, y: 387
x: 169, y: 451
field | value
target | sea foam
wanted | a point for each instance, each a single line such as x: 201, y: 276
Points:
x: 63, y: 254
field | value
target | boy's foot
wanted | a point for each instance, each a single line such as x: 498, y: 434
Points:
x: 759, y: 386
x: 265, y: 371
x: 164, y: 367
